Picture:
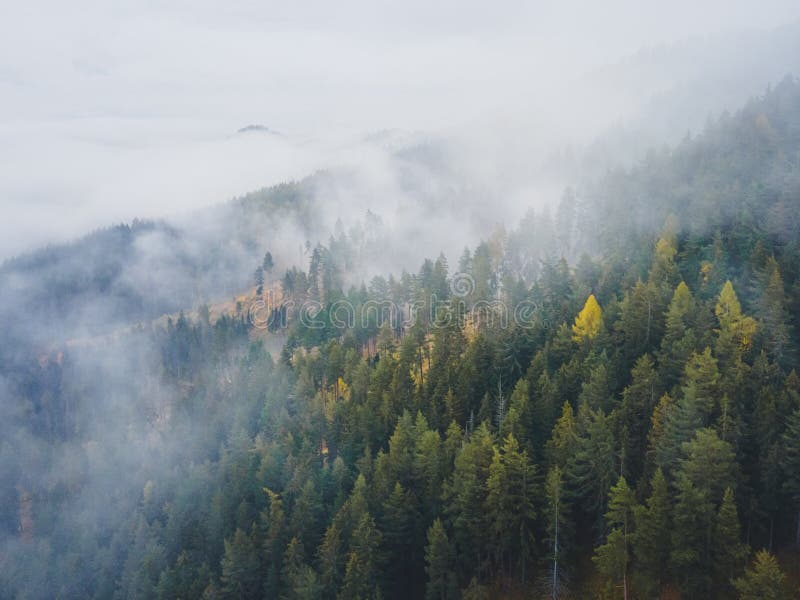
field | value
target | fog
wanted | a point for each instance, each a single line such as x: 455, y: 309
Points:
x: 413, y: 129
x: 110, y: 113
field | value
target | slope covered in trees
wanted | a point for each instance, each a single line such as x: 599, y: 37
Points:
x: 631, y: 429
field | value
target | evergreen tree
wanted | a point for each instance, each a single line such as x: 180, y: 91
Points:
x: 275, y: 535
x: 401, y: 542
x: 267, y: 263
x: 679, y: 338
x: 692, y: 521
x: 558, y: 528
x: 791, y: 465
x: 361, y: 573
x: 651, y: 547
x: 728, y: 550
x: 613, y: 557
x: 692, y: 411
x: 440, y: 565
x: 764, y: 580
x: 509, y: 507
x: 591, y: 468
x: 563, y: 443
x: 709, y: 464
x: 773, y: 315
x: 240, y: 573
x: 465, y: 495
x: 301, y: 580
x: 638, y: 401
x: 736, y: 331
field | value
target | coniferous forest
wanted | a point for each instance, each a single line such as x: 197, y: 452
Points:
x: 602, y: 401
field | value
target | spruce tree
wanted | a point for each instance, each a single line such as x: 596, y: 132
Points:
x: 728, y: 551
x: 613, y: 558
x: 440, y: 565
x: 764, y: 580
x: 558, y: 529
x: 692, y: 522
x: 510, y: 507
x: 638, y: 401
x: 240, y: 573
x: 651, y: 541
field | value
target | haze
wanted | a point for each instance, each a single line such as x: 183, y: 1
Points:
x: 110, y: 113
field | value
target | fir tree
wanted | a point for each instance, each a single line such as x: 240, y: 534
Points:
x: 613, y: 557
x: 728, y: 551
x: 763, y: 581
x: 651, y: 547
x: 440, y: 565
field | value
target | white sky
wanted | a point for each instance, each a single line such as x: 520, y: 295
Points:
x: 110, y: 110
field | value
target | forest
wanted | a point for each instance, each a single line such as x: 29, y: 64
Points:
x: 632, y: 431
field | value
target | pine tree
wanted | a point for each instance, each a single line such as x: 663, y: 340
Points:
x: 679, y: 338
x: 563, y: 442
x: 736, y: 331
x: 509, y: 506
x: 300, y: 579
x: 638, y: 401
x: 558, y: 528
x: 596, y: 392
x: 267, y: 264
x: 664, y: 271
x: 791, y: 464
x: 651, y: 547
x: 709, y: 464
x: 773, y: 315
x: 331, y: 557
x: 692, y: 521
x: 692, y: 411
x: 306, y: 515
x: 240, y: 573
x: 728, y: 551
x: 641, y: 321
x: 659, y: 451
x: 400, y: 540
x: 275, y: 530
x: 465, y: 496
x: 763, y: 581
x: 518, y: 417
x: 590, y: 469
x: 258, y: 279
x: 361, y: 573
x: 440, y: 565
x: 613, y: 557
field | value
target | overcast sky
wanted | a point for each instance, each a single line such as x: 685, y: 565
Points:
x: 115, y: 109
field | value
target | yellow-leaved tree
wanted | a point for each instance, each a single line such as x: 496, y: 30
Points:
x: 589, y: 321
x: 736, y: 330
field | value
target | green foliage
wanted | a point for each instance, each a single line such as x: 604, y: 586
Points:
x: 520, y: 450
x: 764, y: 580
x: 613, y: 558
x: 651, y: 547
x: 440, y: 565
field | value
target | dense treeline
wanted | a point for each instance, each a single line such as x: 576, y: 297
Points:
x: 635, y: 431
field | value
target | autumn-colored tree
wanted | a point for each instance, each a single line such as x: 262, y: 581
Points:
x: 736, y: 330
x: 589, y: 321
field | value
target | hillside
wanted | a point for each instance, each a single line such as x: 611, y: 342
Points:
x: 597, y: 400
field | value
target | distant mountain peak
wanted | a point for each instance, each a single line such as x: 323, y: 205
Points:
x: 257, y: 128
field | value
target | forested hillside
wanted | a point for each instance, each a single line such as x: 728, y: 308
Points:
x: 599, y: 403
